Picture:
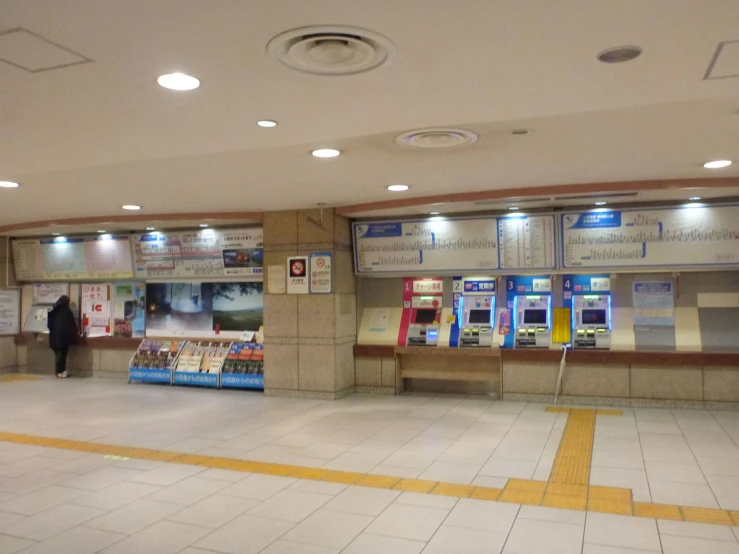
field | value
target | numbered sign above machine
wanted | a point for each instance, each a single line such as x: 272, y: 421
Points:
x: 474, y: 299
x: 531, y: 301
x: 589, y: 298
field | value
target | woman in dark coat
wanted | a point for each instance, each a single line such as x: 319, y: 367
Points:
x: 62, y: 333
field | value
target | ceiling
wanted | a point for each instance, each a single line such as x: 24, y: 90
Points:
x: 85, y: 139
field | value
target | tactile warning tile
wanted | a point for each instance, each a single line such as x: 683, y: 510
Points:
x: 735, y: 517
x: 518, y: 497
x: 276, y: 469
x: 609, y: 506
x: 557, y: 410
x: 609, y: 412
x: 309, y: 473
x: 190, y: 459
x: 378, y: 481
x: 657, y: 511
x: 450, y: 489
x: 162, y: 456
x: 486, y: 493
x: 572, y: 464
x: 344, y: 477
x: 17, y: 378
x: 522, y: 485
x: 564, y: 502
x: 707, y: 515
x: 609, y: 493
x: 415, y: 485
x: 567, y: 490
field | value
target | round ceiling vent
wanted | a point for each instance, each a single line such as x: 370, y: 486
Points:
x: 331, y: 49
x: 436, y: 138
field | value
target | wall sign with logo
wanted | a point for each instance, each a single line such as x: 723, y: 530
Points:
x: 298, y: 281
x: 49, y: 293
x: 321, y: 281
x: 10, y: 312
x: 654, y: 303
x: 96, y: 310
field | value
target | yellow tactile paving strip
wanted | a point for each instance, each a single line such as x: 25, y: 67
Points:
x: 567, y: 488
x: 17, y: 378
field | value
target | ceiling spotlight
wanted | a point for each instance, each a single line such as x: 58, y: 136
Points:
x: 150, y: 228
x: 9, y: 185
x: 178, y: 81
x: 397, y: 188
x: 55, y: 234
x: 695, y: 198
x: 514, y: 208
x: 101, y: 230
x: 694, y: 205
x: 60, y: 239
x: 325, y: 153
x: 520, y: 132
x: 267, y: 123
x: 131, y: 207
x: 601, y: 203
x: 718, y: 164
x: 203, y: 225
x: 619, y: 54
x: 433, y: 213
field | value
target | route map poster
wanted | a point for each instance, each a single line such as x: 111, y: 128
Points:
x: 684, y: 236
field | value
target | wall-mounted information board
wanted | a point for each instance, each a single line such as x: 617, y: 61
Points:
x: 198, y: 254
x: 73, y: 259
x: 674, y: 237
x: 454, y: 244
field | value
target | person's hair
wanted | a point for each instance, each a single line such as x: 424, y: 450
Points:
x: 63, y: 301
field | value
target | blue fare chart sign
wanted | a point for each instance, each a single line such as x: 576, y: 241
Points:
x: 196, y: 379
x: 240, y: 381
x: 654, y: 303
x: 593, y: 220
x: 150, y: 375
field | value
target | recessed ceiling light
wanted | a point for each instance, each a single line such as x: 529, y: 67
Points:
x: 436, y: 218
x: 694, y: 205
x: 267, y: 123
x: 150, y: 228
x: 132, y: 207
x: 9, y: 185
x: 60, y: 239
x: 514, y: 208
x: 619, y: 54
x: 101, y: 230
x: 55, y: 234
x: 106, y: 237
x: 178, y: 81
x: 397, y: 188
x: 203, y: 225
x: 718, y: 164
x: 433, y: 213
x: 325, y: 153
x: 694, y: 198
x: 601, y: 203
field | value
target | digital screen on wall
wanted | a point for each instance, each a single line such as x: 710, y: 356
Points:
x: 535, y: 317
x: 594, y: 317
x: 203, y: 309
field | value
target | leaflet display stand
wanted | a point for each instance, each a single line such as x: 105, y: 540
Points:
x: 154, y: 361
x: 243, y: 367
x: 200, y: 363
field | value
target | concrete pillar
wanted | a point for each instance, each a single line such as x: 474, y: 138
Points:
x: 309, y: 338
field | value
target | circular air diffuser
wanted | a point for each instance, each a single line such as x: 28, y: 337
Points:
x: 436, y: 138
x: 331, y: 49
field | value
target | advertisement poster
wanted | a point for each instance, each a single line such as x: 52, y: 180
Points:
x: 49, y: 293
x: 297, y: 275
x: 202, y: 310
x: 204, y: 253
x: 129, y: 309
x: 654, y: 304
x: 320, y: 273
x: 96, y: 310
x: 504, y: 321
x: 10, y: 312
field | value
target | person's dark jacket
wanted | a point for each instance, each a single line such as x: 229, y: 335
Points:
x: 62, y: 325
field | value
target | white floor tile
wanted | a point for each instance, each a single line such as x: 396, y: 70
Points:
x: 11, y: 545
x: 612, y: 458
x: 492, y: 482
x: 622, y: 531
x: 214, y: 511
x: 258, y: 487
x: 50, y: 522
x: 134, y: 517
x: 34, y: 481
x: 354, y: 462
x: 115, y: 496
x: 40, y: 500
x: 101, y: 478
x: 394, y: 471
x: 363, y: 500
x: 554, y: 515
x: 465, y: 541
x: 290, y: 506
x: 408, y: 522
x: 28, y: 465
x: 465, y: 455
x: 427, y: 500
x: 659, y: 428
x: 223, y: 475
x: 683, y: 494
x: 684, y: 545
x: 285, y: 547
x: 634, y: 479
x: 728, y: 503
x: 512, y: 469
x: 617, y: 444
x: 330, y: 489
x: 167, y: 475
x: 188, y: 491
x: 480, y: 514
x: 695, y: 530
x: 80, y: 540
x: 544, y: 537
x: 329, y: 529
x: 324, y: 450
x: 674, y: 455
x: 451, y: 472
x: 245, y: 535
x: 676, y: 473
x: 193, y: 444
x: 165, y: 537
x: 373, y: 544
x: 601, y: 549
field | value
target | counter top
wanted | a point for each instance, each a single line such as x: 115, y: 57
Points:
x: 447, y: 351
x: 112, y: 343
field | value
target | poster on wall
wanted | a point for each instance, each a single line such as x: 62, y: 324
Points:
x: 96, y: 310
x: 99, y: 257
x: 49, y: 293
x: 684, y: 236
x: 10, y: 312
x: 426, y: 245
x: 297, y: 275
x: 202, y: 310
x: 204, y: 253
x: 654, y: 303
x: 320, y: 273
x: 129, y: 309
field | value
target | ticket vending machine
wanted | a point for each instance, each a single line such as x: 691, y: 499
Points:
x: 530, y: 299
x: 589, y: 298
x: 476, y: 312
x: 425, y: 312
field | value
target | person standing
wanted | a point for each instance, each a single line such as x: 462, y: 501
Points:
x: 62, y: 333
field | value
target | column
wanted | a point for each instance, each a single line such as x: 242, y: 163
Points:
x: 309, y: 338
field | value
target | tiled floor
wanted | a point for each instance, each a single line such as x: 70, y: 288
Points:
x: 66, y: 501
